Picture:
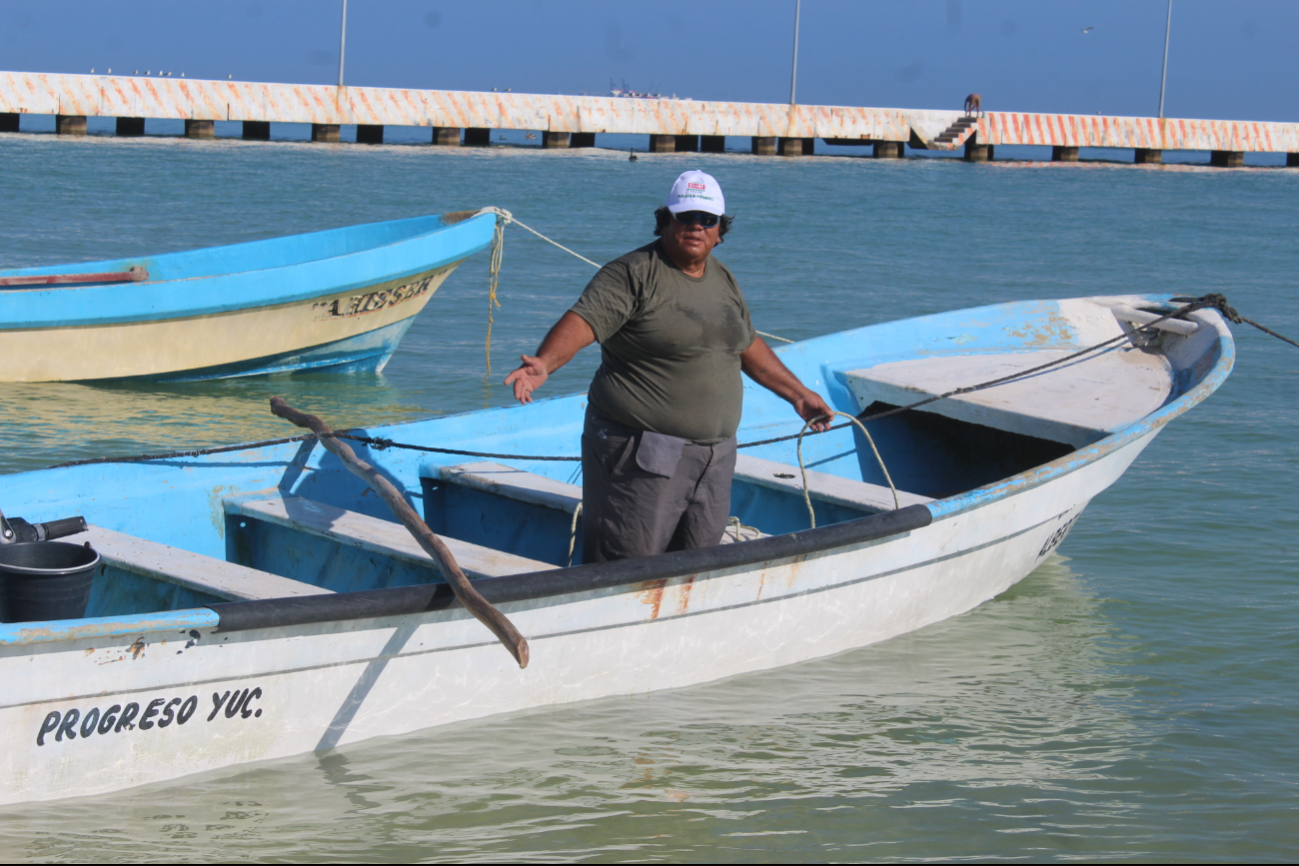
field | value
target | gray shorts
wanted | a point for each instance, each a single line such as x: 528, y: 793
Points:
x: 631, y: 510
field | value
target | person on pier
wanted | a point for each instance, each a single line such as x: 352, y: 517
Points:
x: 659, y: 444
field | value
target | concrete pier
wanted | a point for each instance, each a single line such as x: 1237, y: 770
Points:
x: 443, y: 136
x: 326, y: 132
x: 1227, y: 158
x: 888, y: 150
x: 257, y: 130
x: 1063, y: 153
x: 130, y: 126
x: 372, y: 133
x: 200, y: 129
x: 326, y: 108
x: 1148, y: 156
x: 554, y: 140
x: 70, y: 124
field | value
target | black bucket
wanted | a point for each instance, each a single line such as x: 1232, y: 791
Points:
x: 44, y: 580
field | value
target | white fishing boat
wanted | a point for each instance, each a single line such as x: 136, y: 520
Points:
x: 259, y: 603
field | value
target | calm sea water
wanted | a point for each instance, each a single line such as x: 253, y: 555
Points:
x: 1134, y: 699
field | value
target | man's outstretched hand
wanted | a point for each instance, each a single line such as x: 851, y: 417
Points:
x: 530, y: 376
x: 809, y: 405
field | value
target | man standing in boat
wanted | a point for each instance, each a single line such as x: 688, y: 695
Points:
x: 658, y: 448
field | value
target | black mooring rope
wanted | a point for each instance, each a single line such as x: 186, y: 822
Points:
x: 1210, y: 301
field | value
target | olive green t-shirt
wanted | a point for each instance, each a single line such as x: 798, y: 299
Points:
x: 670, y: 345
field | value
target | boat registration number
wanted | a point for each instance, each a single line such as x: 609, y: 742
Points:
x: 371, y: 302
x: 1058, y: 536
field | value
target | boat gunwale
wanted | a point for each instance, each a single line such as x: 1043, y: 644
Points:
x: 36, y: 295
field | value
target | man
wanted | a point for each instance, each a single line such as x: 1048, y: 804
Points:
x: 658, y: 448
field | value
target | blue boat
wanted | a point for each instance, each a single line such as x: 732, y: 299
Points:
x: 339, y: 299
x: 260, y: 601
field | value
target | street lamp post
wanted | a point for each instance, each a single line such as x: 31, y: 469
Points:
x: 342, y: 45
x: 793, y: 81
x: 1168, y: 28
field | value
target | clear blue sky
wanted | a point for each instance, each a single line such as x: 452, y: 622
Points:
x: 1232, y: 59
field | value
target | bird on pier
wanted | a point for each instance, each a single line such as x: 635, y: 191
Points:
x: 110, y: 70
x: 228, y: 77
x: 137, y: 72
x: 632, y: 157
x: 92, y: 70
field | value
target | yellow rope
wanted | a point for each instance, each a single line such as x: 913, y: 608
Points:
x: 807, y: 496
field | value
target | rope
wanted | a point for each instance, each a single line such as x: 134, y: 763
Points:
x: 737, y: 528
x: 493, y: 278
x: 504, y: 218
x: 572, y: 535
x: 1219, y: 303
x: 1214, y: 301
x: 807, y: 495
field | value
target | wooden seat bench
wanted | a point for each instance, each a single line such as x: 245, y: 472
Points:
x: 371, y: 534
x: 193, y: 571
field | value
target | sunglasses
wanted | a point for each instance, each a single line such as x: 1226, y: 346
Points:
x: 690, y: 217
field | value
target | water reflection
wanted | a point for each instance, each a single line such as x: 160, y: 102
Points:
x: 1017, y: 696
x: 58, y: 421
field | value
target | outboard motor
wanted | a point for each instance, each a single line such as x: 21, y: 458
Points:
x: 15, y: 529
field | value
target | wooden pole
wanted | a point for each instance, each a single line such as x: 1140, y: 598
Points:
x: 500, y: 626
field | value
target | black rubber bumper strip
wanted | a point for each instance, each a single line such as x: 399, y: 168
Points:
x: 400, y: 600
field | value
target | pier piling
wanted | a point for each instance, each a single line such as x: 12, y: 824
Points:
x: 687, y: 143
x: 372, y: 133
x: 70, y: 124
x: 200, y: 129
x: 1227, y: 158
x: 975, y: 152
x: 327, y: 132
x: 130, y: 126
x: 581, y: 139
x: 1063, y: 153
x: 888, y: 150
x: 764, y: 145
x: 443, y: 136
x: 1148, y: 156
x: 1292, y: 160
x: 554, y: 140
x: 662, y: 144
x: 256, y: 130
x: 9, y: 121
x: 795, y: 146
x: 712, y: 143
x: 477, y: 136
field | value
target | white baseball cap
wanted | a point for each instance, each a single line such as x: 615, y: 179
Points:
x: 696, y: 190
